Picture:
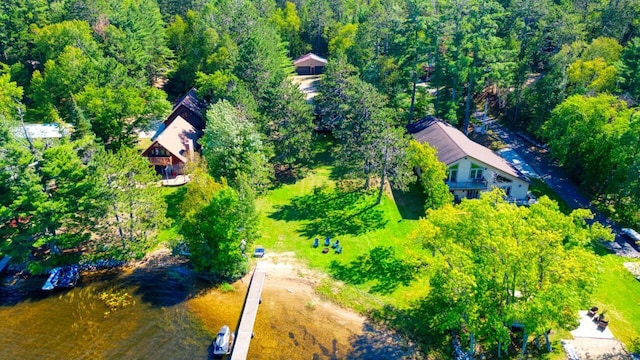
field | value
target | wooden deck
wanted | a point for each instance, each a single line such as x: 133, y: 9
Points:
x: 245, y: 330
x: 176, y: 181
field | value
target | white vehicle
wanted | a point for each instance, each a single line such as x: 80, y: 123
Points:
x: 631, y: 234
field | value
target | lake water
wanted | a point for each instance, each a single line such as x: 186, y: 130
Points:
x: 164, y: 321
x: 173, y: 315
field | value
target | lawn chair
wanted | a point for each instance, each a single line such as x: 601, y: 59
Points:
x: 316, y: 243
x: 602, y: 324
x: 339, y: 250
x: 327, y: 241
x: 592, y: 312
x: 335, y: 244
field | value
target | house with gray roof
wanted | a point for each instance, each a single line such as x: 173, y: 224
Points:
x: 471, y: 167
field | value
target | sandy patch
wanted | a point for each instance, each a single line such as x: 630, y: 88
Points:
x: 308, y: 327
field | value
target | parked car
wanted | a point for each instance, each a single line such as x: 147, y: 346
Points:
x: 631, y: 234
x: 258, y: 252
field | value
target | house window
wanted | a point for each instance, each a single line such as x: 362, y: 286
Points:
x: 476, y: 172
x: 507, y: 190
x: 452, y: 175
x: 502, y: 179
x: 473, y: 194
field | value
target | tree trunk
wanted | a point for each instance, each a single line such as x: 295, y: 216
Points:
x: 546, y: 337
x: 499, y: 349
x: 525, y: 338
x: 467, y: 109
x: 383, y: 174
x: 413, y: 90
x: 472, y: 343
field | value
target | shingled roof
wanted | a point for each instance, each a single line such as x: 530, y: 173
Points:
x: 309, y: 56
x: 191, y: 102
x: 178, y: 138
x: 452, y: 145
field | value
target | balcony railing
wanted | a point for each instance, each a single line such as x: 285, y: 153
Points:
x: 160, y: 160
x: 475, y: 184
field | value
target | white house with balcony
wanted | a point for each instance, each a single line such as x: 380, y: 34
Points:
x: 471, y: 167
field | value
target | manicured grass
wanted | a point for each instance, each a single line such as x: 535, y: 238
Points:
x: 293, y: 215
x: 618, y: 293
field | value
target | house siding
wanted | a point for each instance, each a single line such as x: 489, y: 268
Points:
x: 465, y: 184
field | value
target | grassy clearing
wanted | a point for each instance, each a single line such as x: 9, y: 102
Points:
x: 619, y: 294
x: 294, y: 214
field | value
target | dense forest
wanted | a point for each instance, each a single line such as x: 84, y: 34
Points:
x: 565, y: 72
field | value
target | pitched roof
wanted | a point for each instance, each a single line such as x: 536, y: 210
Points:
x: 190, y: 101
x: 178, y: 138
x: 452, y: 145
x: 309, y: 56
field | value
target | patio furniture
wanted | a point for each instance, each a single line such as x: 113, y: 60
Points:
x: 327, y: 241
x: 316, y: 243
x: 602, y: 324
x: 325, y: 250
x: 339, y: 250
x: 592, y: 312
x: 335, y: 244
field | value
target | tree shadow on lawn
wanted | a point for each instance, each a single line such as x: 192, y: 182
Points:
x: 379, y: 265
x: 410, y: 202
x: 332, y: 212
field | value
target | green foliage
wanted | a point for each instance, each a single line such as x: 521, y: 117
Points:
x: 498, y: 263
x: 290, y: 126
x: 215, y: 226
x: 432, y: 175
x: 233, y: 148
x: 631, y: 67
x: 134, y: 207
x: 288, y: 23
x: 116, y: 113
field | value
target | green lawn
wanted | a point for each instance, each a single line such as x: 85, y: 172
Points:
x: 619, y: 294
x: 380, y: 268
x: 293, y: 215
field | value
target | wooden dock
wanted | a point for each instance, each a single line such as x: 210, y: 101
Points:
x: 249, y: 312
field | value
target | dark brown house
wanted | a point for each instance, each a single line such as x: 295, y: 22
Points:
x: 175, y: 141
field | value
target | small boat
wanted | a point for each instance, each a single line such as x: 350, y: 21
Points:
x: 62, y: 277
x: 222, y: 343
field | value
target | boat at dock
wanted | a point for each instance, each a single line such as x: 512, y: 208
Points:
x: 222, y: 344
x: 62, y: 277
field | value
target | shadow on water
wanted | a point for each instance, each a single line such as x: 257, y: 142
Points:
x: 160, y: 287
x: 332, y: 212
x: 381, y: 266
x: 165, y: 286
x: 375, y: 343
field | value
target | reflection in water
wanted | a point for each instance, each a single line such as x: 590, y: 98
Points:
x: 72, y: 324
x: 174, y: 316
